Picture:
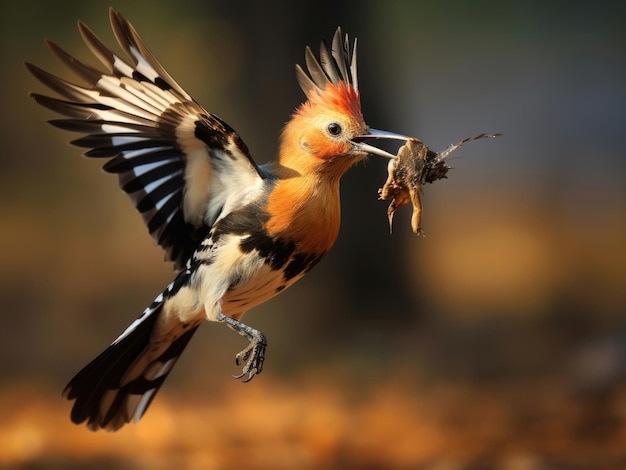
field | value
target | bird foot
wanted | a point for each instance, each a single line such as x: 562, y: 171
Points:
x: 251, y: 357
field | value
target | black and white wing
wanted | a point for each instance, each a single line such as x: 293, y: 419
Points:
x: 181, y: 166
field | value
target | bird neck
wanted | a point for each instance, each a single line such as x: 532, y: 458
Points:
x: 304, y: 207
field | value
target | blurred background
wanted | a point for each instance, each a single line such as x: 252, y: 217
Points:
x: 497, y: 341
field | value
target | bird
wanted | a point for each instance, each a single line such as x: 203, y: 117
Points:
x: 237, y: 233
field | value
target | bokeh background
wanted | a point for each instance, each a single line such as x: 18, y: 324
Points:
x: 497, y: 341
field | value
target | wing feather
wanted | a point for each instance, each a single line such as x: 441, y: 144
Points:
x: 181, y: 166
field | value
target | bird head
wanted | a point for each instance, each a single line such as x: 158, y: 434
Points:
x: 328, y: 132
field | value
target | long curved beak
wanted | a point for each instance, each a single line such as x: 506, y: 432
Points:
x: 358, y: 141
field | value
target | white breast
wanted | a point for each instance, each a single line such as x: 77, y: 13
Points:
x: 233, y: 281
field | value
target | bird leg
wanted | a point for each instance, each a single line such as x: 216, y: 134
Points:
x: 253, y: 356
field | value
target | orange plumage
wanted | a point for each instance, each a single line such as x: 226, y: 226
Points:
x: 237, y: 233
x: 305, y: 205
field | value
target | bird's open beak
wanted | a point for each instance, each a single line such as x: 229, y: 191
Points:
x: 358, y: 142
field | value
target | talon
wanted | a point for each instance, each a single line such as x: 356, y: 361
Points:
x: 243, y: 356
x: 245, y: 381
x: 251, y: 357
x: 243, y: 374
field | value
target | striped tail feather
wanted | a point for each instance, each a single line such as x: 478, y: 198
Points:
x: 118, y: 386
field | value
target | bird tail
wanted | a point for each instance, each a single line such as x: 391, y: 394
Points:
x: 118, y: 386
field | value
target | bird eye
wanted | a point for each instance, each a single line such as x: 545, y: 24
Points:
x: 334, y: 129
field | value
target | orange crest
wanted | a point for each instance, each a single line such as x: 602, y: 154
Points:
x: 336, y: 98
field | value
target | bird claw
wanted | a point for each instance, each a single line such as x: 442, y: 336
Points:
x: 252, y: 357
x: 243, y: 356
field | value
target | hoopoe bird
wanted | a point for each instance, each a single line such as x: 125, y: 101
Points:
x: 237, y: 233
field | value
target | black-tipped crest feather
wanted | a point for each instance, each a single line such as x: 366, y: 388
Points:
x: 337, y: 64
x: 340, y: 55
x: 328, y: 64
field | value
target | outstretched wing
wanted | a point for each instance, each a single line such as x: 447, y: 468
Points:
x: 181, y: 166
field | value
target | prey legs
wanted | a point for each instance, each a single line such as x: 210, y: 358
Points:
x: 251, y: 357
